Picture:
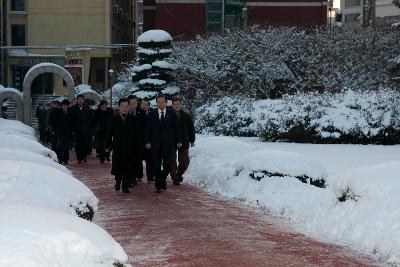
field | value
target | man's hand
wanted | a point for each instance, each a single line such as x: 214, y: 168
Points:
x: 179, y: 145
x: 192, y: 144
x: 148, y: 146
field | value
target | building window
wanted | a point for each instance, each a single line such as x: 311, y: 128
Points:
x: 17, y: 5
x: 100, y: 75
x: 353, y: 3
x: 18, y: 35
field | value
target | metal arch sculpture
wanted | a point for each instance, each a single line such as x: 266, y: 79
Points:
x: 18, y: 100
x: 30, y: 77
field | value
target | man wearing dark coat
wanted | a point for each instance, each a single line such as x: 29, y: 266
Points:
x: 81, y: 117
x: 188, y: 139
x: 101, y: 119
x: 122, y: 138
x: 162, y: 136
x: 62, y: 129
x: 139, y: 115
x: 145, y: 106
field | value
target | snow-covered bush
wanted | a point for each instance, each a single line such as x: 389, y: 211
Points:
x: 42, y: 186
x: 36, y: 237
x: 263, y: 63
x: 13, y: 141
x: 263, y: 164
x: 227, y: 116
x: 345, y: 117
x: 17, y: 127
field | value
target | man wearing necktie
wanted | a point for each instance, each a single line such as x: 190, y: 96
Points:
x: 162, y: 136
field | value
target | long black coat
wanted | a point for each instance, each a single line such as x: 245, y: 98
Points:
x: 122, y: 138
x: 101, y: 120
x: 61, y: 122
x: 82, y: 123
x: 164, y: 135
x: 187, y: 128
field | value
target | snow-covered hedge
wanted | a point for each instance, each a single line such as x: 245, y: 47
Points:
x: 345, y: 117
x: 42, y: 186
x: 36, y: 237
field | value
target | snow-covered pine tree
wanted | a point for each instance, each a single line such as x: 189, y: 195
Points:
x: 154, y: 74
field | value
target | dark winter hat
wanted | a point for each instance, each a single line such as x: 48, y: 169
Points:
x: 65, y: 102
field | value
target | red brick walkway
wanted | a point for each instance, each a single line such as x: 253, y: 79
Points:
x: 186, y: 227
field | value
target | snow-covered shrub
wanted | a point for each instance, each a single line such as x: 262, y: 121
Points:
x: 13, y: 141
x: 227, y: 116
x: 262, y: 164
x: 38, y: 185
x: 256, y: 62
x: 345, y: 117
x: 36, y: 237
x: 16, y: 127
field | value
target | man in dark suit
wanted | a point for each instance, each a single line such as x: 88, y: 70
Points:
x: 188, y: 138
x: 122, y: 138
x: 145, y: 106
x: 162, y: 136
x: 82, y: 126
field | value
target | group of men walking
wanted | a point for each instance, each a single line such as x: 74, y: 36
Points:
x: 133, y: 133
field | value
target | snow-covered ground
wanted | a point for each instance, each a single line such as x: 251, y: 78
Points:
x: 261, y: 175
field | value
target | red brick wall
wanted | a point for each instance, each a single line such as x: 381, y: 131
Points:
x: 182, y: 20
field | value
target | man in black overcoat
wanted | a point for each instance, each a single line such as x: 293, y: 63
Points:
x: 145, y: 106
x: 162, y: 136
x: 62, y: 130
x: 122, y: 138
x: 188, y: 139
x: 101, y: 119
x: 82, y: 126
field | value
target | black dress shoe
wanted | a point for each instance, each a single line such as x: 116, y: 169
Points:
x: 108, y: 159
x: 164, y: 187
x: 85, y: 159
x: 79, y: 161
x: 117, y: 187
x: 158, y: 190
x: 176, y: 182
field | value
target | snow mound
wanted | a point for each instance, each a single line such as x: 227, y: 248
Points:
x: 42, y: 186
x: 13, y: 126
x: 38, y: 237
x: 154, y: 36
x: 87, y: 91
x: 20, y: 154
x: 381, y: 180
x: 267, y: 162
x: 15, y: 141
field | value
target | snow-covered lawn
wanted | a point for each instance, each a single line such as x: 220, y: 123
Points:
x: 36, y: 237
x: 358, y: 206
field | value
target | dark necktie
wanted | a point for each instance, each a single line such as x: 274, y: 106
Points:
x: 162, y: 116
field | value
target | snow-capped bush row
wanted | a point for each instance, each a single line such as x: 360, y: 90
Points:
x: 40, y: 202
x: 345, y: 117
x: 368, y: 220
x: 265, y: 63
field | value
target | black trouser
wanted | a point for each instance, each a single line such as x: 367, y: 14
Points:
x: 161, y: 158
x: 42, y: 134
x: 101, y: 148
x: 82, y: 147
x: 149, y: 165
x: 63, y: 149
x: 124, y: 179
x: 53, y: 141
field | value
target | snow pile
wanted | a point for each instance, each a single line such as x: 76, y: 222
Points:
x: 24, y: 155
x: 42, y: 186
x: 357, y: 209
x: 346, y: 117
x: 16, y: 127
x: 154, y: 36
x: 15, y: 141
x: 38, y: 237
